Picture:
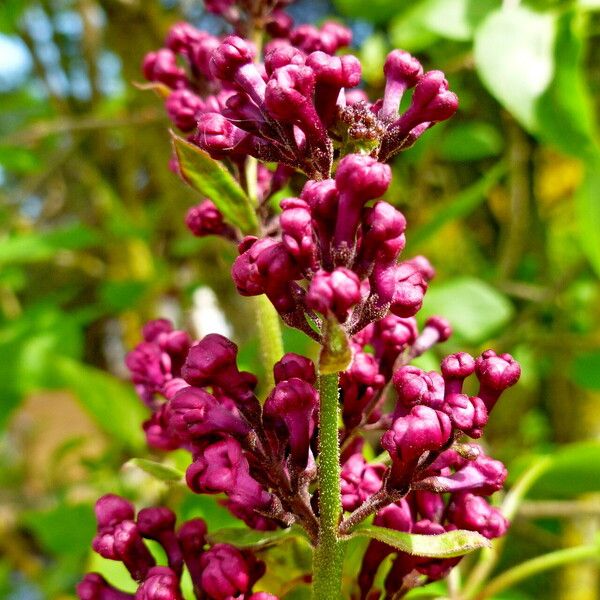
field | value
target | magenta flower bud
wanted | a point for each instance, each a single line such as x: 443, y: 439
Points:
x: 94, y: 587
x: 323, y: 198
x: 402, y: 72
x: 219, y: 7
x: 359, y: 383
x: 392, y: 335
x: 230, y: 56
x: 195, y: 414
x: 423, y: 429
x: 294, y: 365
x: 182, y: 36
x: 184, y: 107
x: 200, y: 54
x: 383, y: 228
x: 281, y: 56
x: 332, y: 74
x: 411, y: 286
x: 212, y: 361
x: 280, y: 24
x: 192, y: 539
x: 342, y: 35
x: 219, y: 137
x: 161, y: 66
x: 152, y: 330
x: 309, y: 39
x: 414, y: 386
x: 297, y: 231
x: 249, y: 516
x: 430, y: 505
x: 124, y: 543
x: 359, y: 178
x: 474, y: 513
x: 482, y: 476
x: 289, y: 98
x: 150, y: 369
x: 223, y: 468
x: 496, y: 373
x: 266, y: 267
x: 225, y: 572
x: 206, y: 219
x: 157, y: 431
x: 359, y: 481
x: 455, y: 369
x: 233, y: 61
x: 436, y: 330
x: 431, y: 102
x: 158, y: 523
x: 161, y: 583
x: 467, y: 414
x: 263, y: 596
x: 334, y: 293
x: 111, y: 510
x: 288, y: 414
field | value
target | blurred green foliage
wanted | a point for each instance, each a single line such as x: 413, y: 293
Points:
x: 504, y: 199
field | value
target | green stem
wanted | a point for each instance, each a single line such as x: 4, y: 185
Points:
x: 329, y: 553
x: 269, y: 336
x: 538, y: 565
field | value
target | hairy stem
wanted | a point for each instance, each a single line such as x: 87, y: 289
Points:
x: 269, y: 336
x: 329, y: 553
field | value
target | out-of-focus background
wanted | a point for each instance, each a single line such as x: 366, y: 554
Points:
x: 504, y: 199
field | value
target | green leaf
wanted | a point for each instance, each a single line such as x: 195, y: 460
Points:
x: 34, y: 247
x: 249, y: 538
x: 514, y: 56
x: 574, y: 469
x: 407, y: 30
x: 564, y: 113
x: 444, y: 545
x: 214, y: 181
x: 376, y: 11
x: 456, y: 19
x: 585, y: 370
x: 335, y: 354
x: 458, y: 207
x: 55, y: 531
x: 587, y: 207
x: 471, y: 141
x: 157, y: 470
x: 112, y: 404
x: 475, y: 309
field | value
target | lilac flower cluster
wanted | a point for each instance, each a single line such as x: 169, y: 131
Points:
x: 298, y: 108
x: 336, y: 256
x: 207, y: 406
x: 218, y: 571
x: 329, y: 261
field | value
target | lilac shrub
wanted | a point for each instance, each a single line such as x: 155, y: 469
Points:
x: 329, y: 264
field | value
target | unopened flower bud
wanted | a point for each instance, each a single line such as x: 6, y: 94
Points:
x: 94, y: 587
x: 496, y: 373
x: 288, y: 413
x: 359, y: 481
x: 295, y: 365
x: 161, y: 583
x: 402, y: 71
x: 334, y: 293
x: 472, y: 512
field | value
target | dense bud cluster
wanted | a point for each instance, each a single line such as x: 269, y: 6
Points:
x: 218, y: 571
x: 329, y: 262
x: 299, y: 108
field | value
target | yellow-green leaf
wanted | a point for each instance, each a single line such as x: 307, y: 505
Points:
x: 214, y: 181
